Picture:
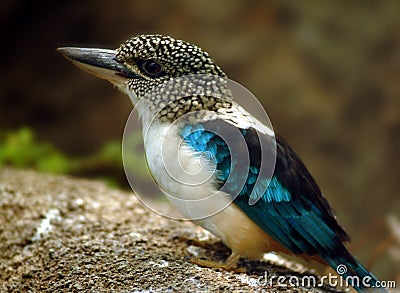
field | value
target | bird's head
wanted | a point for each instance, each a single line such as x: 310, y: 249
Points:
x: 144, y: 62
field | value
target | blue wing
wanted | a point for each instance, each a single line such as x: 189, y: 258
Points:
x: 292, y: 209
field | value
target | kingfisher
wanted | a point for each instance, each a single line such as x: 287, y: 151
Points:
x: 283, y: 212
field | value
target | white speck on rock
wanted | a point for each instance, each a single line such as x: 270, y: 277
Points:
x: 160, y: 264
x: 195, y: 250
x: 138, y: 237
x: 271, y: 257
x: 81, y: 218
x: 78, y: 202
x: 95, y: 205
x: 45, y: 225
x: 135, y: 235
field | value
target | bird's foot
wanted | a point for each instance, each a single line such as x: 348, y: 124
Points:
x: 214, y: 246
x: 216, y: 265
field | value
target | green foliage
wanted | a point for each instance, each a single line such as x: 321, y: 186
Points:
x: 20, y: 149
x: 111, y: 152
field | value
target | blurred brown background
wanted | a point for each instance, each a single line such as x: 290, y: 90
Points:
x: 328, y: 74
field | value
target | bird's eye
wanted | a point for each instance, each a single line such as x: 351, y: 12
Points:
x: 152, y: 68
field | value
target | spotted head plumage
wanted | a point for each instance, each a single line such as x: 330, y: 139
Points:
x: 157, y: 58
x: 176, y: 57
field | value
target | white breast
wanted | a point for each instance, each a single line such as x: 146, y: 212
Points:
x: 185, y: 178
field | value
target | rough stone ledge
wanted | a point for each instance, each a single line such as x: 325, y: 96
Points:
x: 63, y: 234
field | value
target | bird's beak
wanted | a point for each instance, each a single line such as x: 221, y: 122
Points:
x: 102, y: 63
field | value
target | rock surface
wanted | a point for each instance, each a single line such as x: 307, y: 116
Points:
x: 60, y: 233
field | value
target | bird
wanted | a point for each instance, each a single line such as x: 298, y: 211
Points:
x: 284, y: 212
